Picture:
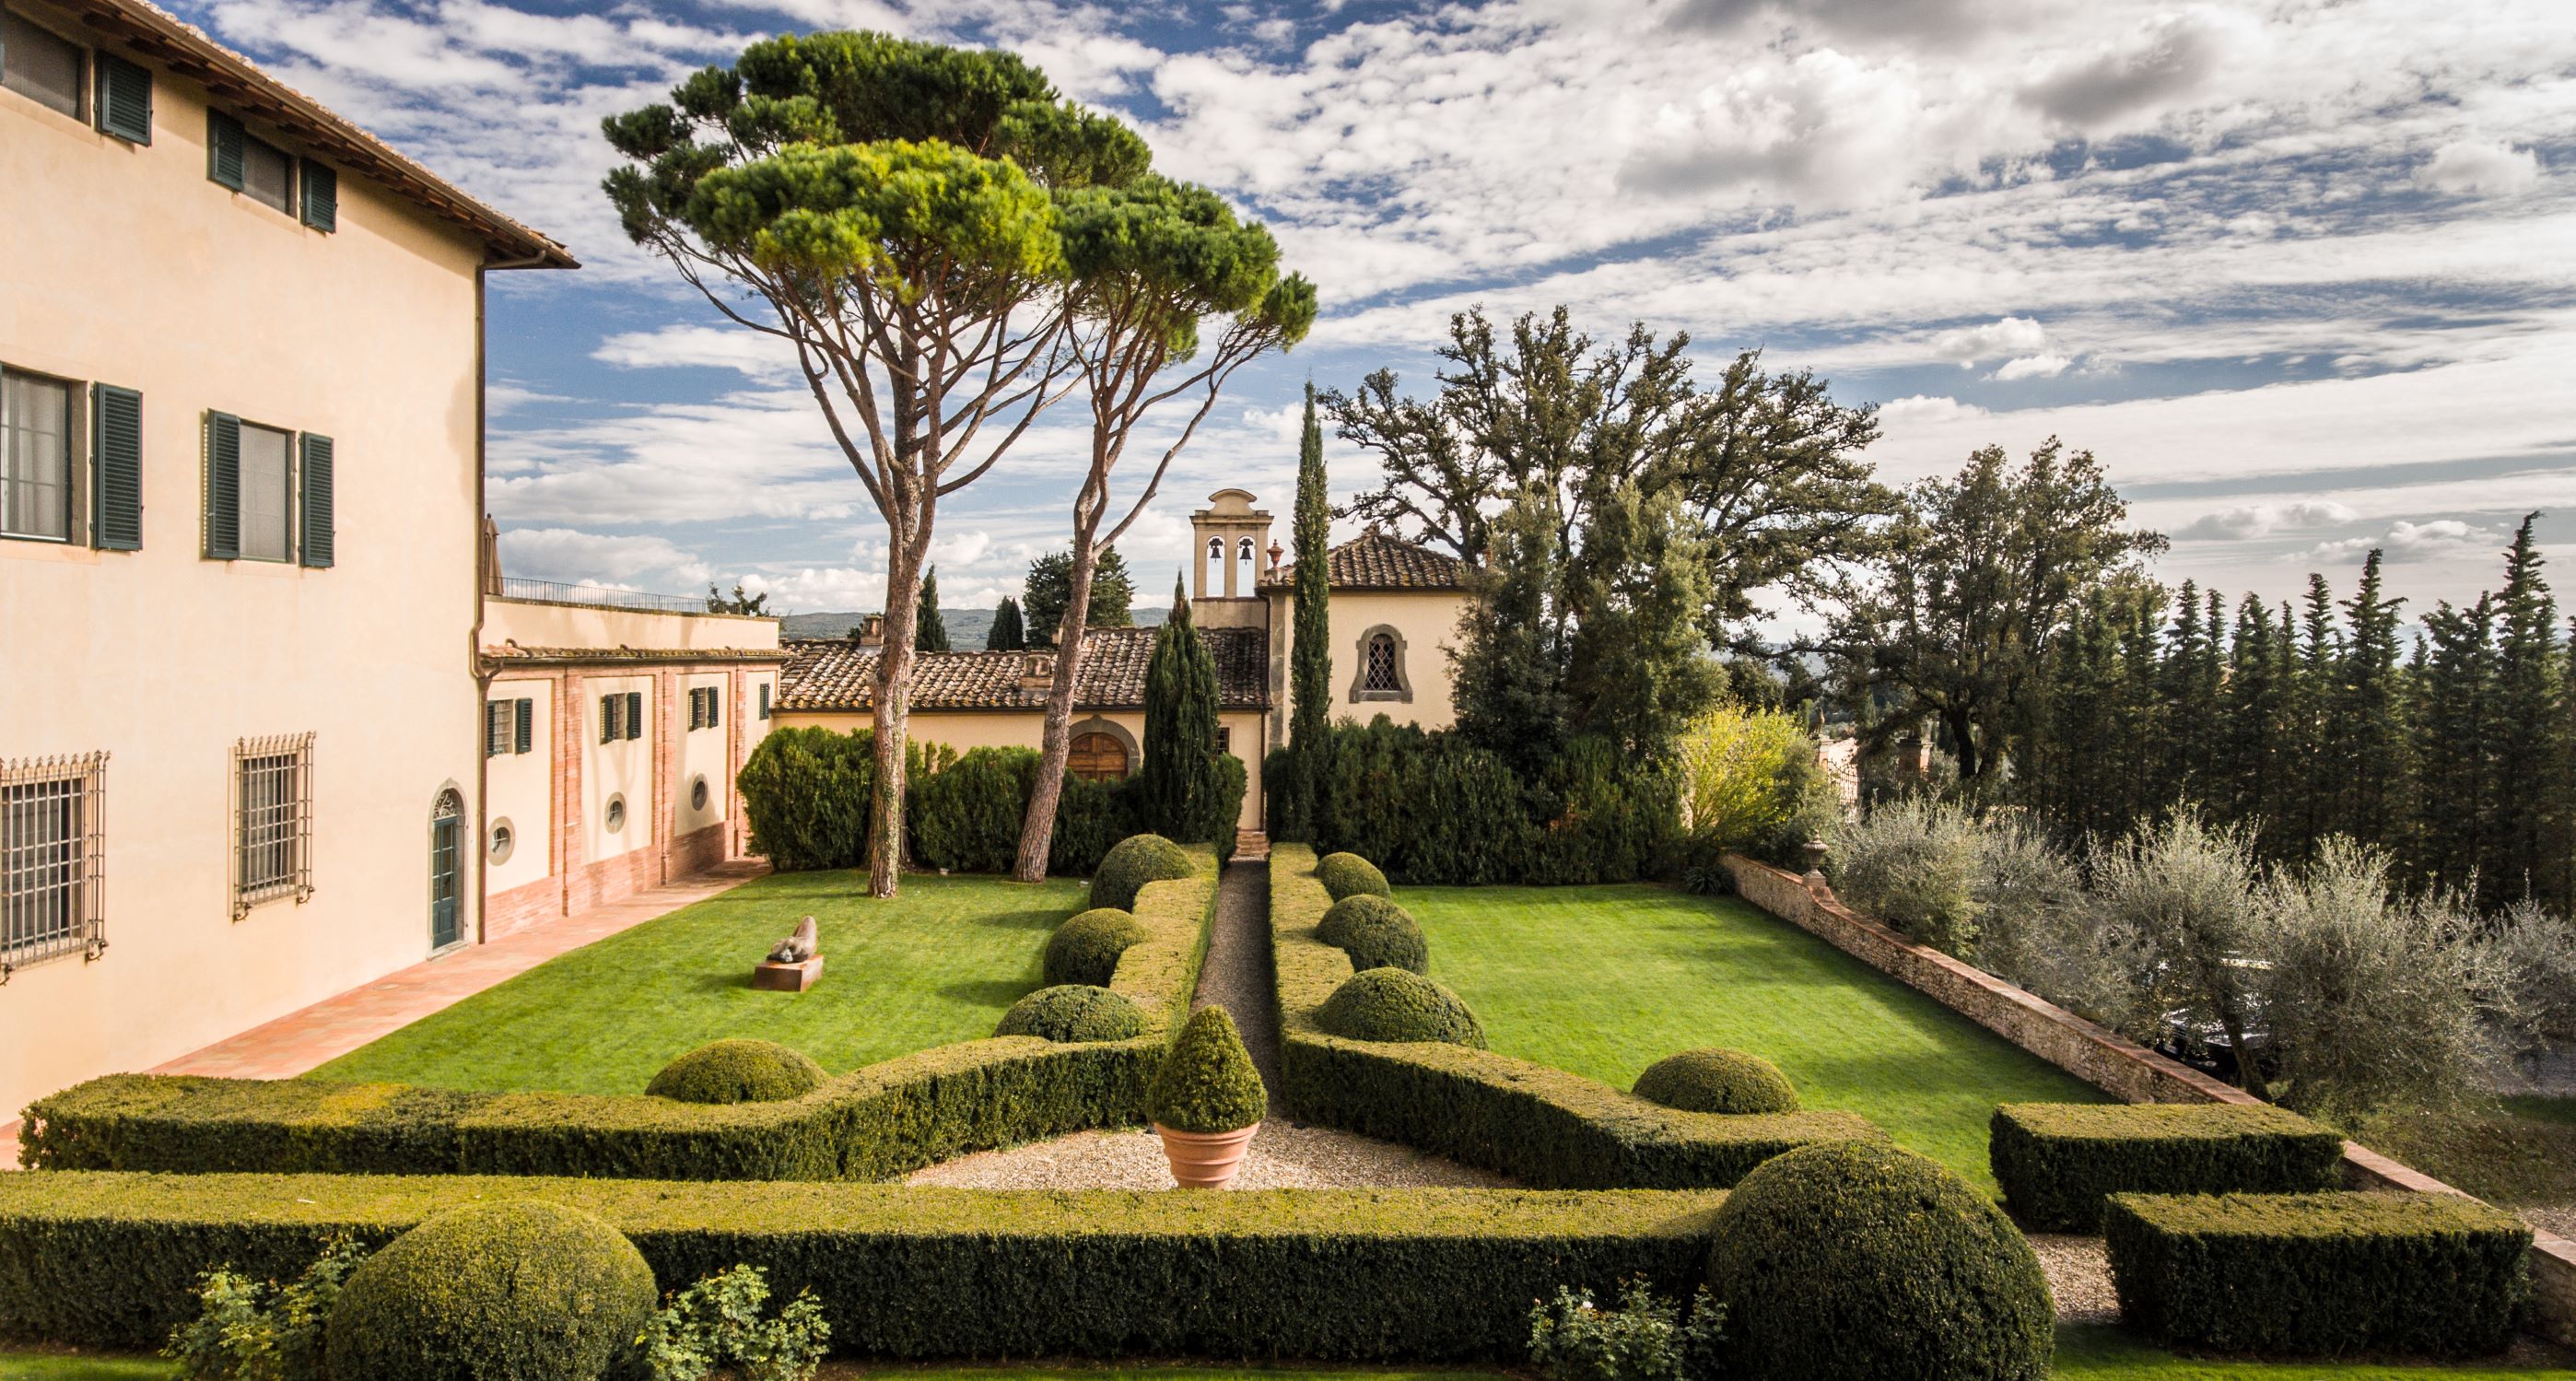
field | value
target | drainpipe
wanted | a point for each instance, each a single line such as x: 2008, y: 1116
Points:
x: 474, y: 639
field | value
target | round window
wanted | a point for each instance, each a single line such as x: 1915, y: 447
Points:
x: 698, y: 794
x: 616, y: 813
x: 504, y: 839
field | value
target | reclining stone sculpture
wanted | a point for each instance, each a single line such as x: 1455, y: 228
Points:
x: 804, y: 944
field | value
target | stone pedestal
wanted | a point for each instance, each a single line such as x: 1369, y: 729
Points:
x: 787, y: 978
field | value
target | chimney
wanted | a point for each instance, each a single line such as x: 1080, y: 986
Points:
x: 1909, y: 755
x: 872, y: 631
x: 1037, y: 669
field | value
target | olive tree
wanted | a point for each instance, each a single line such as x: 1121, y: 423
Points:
x: 889, y: 210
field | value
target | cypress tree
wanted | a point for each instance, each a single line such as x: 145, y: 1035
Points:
x: 1007, y: 634
x: 2251, y: 726
x: 929, y: 631
x: 2525, y: 734
x: 2451, y: 765
x: 1310, y: 658
x: 2369, y: 737
x: 1179, y: 778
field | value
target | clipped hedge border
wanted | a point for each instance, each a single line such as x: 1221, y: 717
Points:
x: 2320, y: 1274
x: 872, y: 1123
x: 107, y: 1260
x: 1544, y: 1127
x: 2057, y: 1162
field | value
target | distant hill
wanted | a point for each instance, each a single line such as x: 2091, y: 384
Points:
x: 966, y: 627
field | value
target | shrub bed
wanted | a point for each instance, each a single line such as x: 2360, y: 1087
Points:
x: 1085, y: 949
x: 886, y: 1119
x: 107, y: 1260
x: 1543, y: 1126
x: 1073, y: 1012
x: 1387, y: 1004
x: 738, y: 1071
x: 522, y: 1289
x: 1376, y: 933
x: 1133, y: 862
x: 2058, y: 1161
x: 2319, y: 1274
x: 1347, y: 875
x: 1715, y: 1080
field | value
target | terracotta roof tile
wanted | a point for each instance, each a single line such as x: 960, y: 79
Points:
x: 512, y: 653
x: 836, y: 674
x: 1376, y: 561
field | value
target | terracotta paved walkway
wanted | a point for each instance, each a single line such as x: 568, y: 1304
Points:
x: 333, y: 1027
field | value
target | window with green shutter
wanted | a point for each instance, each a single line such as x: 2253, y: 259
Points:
x: 496, y: 728
x: 226, y: 143
x: 321, y: 197
x: 124, y: 102
x: 635, y: 714
x: 764, y: 700
x: 116, y: 468
x: 715, y: 707
x: 223, y: 486
x: 317, y: 516
x: 612, y: 711
x: 524, y: 711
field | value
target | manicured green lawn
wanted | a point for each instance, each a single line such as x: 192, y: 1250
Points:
x: 2103, y: 1352
x: 1604, y: 981
x: 937, y: 964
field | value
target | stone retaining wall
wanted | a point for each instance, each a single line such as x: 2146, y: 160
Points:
x: 2121, y: 1068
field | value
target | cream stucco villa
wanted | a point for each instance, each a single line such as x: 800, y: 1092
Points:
x: 1394, y: 616
x: 240, y: 491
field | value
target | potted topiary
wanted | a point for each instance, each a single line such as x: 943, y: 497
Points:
x: 1207, y: 1101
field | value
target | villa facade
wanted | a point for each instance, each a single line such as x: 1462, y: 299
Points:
x: 1393, y: 618
x: 240, y: 490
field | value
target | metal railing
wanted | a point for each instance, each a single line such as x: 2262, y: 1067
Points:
x: 557, y: 592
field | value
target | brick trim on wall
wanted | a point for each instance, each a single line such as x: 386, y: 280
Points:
x: 2119, y: 1067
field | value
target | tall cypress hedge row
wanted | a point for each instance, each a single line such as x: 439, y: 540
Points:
x: 806, y: 791
x: 109, y: 1260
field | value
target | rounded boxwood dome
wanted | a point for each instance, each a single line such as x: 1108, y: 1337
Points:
x: 1130, y: 864
x: 1349, y: 875
x: 1376, y: 933
x: 1854, y: 1259
x: 1713, y: 1080
x: 1394, y: 1005
x: 529, y: 1291
x: 738, y: 1071
x: 1073, y: 1012
x: 1085, y: 949
x: 1207, y: 1082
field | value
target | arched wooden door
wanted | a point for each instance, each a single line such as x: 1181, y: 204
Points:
x: 446, y: 912
x: 1098, y: 758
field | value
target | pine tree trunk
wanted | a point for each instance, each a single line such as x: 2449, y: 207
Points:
x: 1055, y: 740
x: 893, y: 713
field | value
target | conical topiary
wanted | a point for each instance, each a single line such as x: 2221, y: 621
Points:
x: 1207, y: 1083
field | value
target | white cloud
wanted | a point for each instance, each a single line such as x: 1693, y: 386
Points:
x: 590, y: 558
x: 2248, y: 521
x: 2469, y: 167
x: 2047, y: 366
x: 2006, y: 336
x: 716, y: 347
x: 2441, y: 539
x: 1923, y: 408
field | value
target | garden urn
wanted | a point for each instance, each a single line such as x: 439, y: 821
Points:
x: 1207, y: 1101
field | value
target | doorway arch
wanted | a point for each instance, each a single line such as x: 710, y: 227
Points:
x: 446, y: 870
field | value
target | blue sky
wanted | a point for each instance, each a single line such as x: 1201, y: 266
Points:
x: 2302, y: 274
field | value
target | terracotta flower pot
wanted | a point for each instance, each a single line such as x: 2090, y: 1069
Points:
x: 1205, y: 1160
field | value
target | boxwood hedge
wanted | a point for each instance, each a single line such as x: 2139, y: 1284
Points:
x: 1542, y: 1126
x: 2319, y: 1274
x: 108, y: 1260
x: 2058, y: 1161
x: 882, y: 1120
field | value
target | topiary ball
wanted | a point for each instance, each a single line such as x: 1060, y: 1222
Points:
x: 1085, y: 949
x: 1207, y: 1082
x: 1394, y: 1005
x: 1130, y: 864
x: 529, y: 1291
x: 1712, y: 1080
x: 1073, y: 1012
x: 1349, y: 875
x: 1376, y: 933
x: 1854, y: 1259
x: 738, y: 1071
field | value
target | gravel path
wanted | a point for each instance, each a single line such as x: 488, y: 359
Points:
x: 1237, y: 974
x: 2079, y: 1275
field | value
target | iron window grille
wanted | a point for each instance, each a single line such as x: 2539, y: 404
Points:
x: 1381, y: 665
x: 272, y: 820
x: 53, y: 859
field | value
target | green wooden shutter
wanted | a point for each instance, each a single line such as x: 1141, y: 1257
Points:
x: 608, y: 716
x: 764, y: 700
x: 319, y: 530
x: 635, y: 714
x: 224, y: 149
x: 223, y: 486
x: 321, y: 196
x: 525, y: 710
x: 124, y: 105
x: 116, y: 468
x: 715, y: 707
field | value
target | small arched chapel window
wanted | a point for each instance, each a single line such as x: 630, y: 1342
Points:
x: 1381, y: 665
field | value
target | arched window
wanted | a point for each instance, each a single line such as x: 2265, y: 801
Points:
x: 1097, y: 758
x: 1381, y: 664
